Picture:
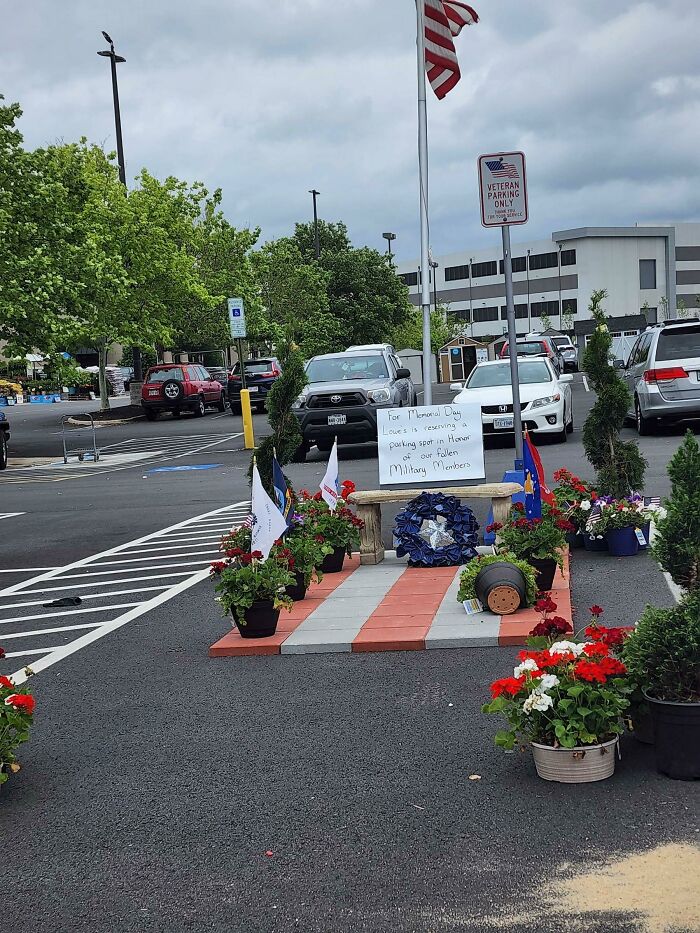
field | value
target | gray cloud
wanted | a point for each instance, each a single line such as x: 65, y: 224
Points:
x: 269, y: 100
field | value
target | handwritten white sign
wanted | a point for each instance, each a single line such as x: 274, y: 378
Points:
x: 438, y: 443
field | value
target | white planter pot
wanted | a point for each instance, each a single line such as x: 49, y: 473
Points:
x: 575, y: 765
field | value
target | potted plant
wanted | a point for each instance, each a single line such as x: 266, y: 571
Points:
x: 501, y: 582
x: 574, y: 496
x: 620, y: 521
x: 567, y: 701
x: 339, y: 528
x: 663, y: 657
x: 16, y: 716
x: 677, y: 542
x: 539, y: 541
x: 307, y: 551
x: 253, y: 590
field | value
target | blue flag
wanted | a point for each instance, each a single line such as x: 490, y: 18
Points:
x: 533, y: 492
x: 283, y: 496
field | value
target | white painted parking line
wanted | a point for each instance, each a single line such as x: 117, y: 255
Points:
x: 27, y: 569
x: 11, y: 514
x: 102, y: 577
x: 585, y: 382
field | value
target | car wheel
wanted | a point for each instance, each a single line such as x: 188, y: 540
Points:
x: 176, y: 413
x: 199, y: 408
x: 563, y: 435
x: 324, y: 446
x: 151, y: 414
x: 236, y: 409
x: 643, y: 424
x: 260, y: 408
x: 3, y: 450
x: 301, y: 452
x: 173, y: 390
x: 221, y: 404
x: 570, y: 425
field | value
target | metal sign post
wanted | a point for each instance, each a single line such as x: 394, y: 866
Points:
x: 236, y: 320
x: 503, y: 194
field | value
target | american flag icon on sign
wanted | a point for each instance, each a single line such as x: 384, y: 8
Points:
x: 502, y: 169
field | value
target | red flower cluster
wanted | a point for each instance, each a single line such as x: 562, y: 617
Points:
x: 320, y: 538
x: 509, y: 685
x: 351, y: 517
x: 217, y: 566
x: 596, y: 611
x: 599, y: 671
x: 518, y: 507
x: 551, y: 627
x: 2, y: 652
x: 611, y: 637
x: 563, y: 524
x: 494, y: 526
x: 24, y: 702
x: 346, y: 488
x: 234, y: 552
x: 6, y: 682
x: 284, y: 555
x: 545, y: 604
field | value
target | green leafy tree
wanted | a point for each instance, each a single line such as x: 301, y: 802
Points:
x: 677, y: 543
x: 619, y: 464
x: 409, y: 334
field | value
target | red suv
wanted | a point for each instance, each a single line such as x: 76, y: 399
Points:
x: 178, y: 387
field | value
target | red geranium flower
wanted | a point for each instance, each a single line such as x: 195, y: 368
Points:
x: 612, y: 667
x: 256, y: 555
x: 347, y: 487
x: 6, y: 682
x: 2, y: 652
x: 217, y: 566
x: 590, y: 671
x: 509, y: 685
x: 518, y: 507
x: 594, y: 495
x: 21, y: 701
x: 320, y: 539
x: 545, y: 604
x: 596, y: 611
x: 494, y: 526
x: 596, y: 650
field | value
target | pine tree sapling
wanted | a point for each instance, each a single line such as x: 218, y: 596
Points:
x: 286, y: 436
x: 619, y: 464
x: 677, y: 543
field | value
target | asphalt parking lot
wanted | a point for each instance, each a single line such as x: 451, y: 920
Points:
x: 157, y: 779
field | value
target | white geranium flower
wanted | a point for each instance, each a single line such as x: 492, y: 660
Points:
x: 585, y: 505
x: 566, y: 647
x: 537, y: 701
x: 547, y: 682
x: 528, y: 665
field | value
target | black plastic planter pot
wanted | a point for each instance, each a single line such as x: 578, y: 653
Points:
x: 544, y: 572
x: 260, y: 620
x: 594, y: 544
x: 676, y: 738
x: 501, y: 587
x: 333, y: 563
x: 622, y: 542
x: 574, y: 539
x: 297, y: 591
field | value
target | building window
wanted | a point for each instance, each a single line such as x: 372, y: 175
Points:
x: 520, y: 312
x: 517, y: 262
x: 455, y: 273
x: 480, y: 269
x: 550, y: 308
x: 409, y: 278
x: 461, y: 315
x: 543, y: 261
x: 486, y: 314
x: 570, y: 305
x: 647, y: 273
x: 568, y: 257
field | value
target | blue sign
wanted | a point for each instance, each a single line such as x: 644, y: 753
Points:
x: 236, y: 318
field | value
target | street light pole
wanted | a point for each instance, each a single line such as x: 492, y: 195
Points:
x: 113, y: 60
x: 559, y: 257
x: 471, y: 309
x: 433, y: 265
x: 317, y: 244
x: 529, y: 315
x: 389, y: 237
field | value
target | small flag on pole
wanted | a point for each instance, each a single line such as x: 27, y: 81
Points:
x: 442, y: 20
x: 268, y: 522
x: 330, y: 484
x: 545, y: 492
x: 283, y: 496
x: 533, y: 495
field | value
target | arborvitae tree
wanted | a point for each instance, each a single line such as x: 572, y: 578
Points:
x: 677, y: 544
x: 619, y: 464
x: 286, y: 437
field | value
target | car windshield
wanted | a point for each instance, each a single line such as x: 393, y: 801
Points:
x: 255, y: 366
x: 530, y: 349
x: 498, y: 374
x: 562, y: 343
x: 679, y: 343
x: 346, y: 367
x: 162, y: 375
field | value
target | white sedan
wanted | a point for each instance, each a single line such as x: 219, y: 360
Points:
x: 545, y: 397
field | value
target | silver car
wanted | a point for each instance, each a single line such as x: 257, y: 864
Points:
x: 663, y: 374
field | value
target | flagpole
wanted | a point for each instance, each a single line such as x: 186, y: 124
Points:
x: 423, y: 175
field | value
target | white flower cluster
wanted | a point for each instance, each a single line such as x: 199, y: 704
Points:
x: 527, y: 665
x: 567, y: 647
x: 585, y: 505
x: 538, y: 701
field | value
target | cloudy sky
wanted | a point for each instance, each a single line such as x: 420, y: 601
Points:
x: 269, y: 99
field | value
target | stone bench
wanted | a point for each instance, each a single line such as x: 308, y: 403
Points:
x: 369, y: 508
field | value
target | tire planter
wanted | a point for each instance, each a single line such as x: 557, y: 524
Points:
x: 544, y: 572
x: 676, y: 738
x: 594, y: 544
x: 333, y: 563
x: 622, y: 542
x: 575, y: 765
x: 574, y: 539
x: 260, y: 620
x: 297, y: 591
x: 501, y: 587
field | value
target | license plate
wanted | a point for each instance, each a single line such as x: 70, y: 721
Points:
x: 502, y: 424
x: 337, y: 419
x: 697, y: 375
x: 153, y: 391
x: 253, y: 388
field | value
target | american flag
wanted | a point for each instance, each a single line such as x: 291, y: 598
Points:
x: 444, y: 19
x: 502, y: 169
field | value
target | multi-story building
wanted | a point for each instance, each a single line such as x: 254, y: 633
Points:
x: 649, y: 272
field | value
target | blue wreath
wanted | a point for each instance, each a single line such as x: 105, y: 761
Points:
x: 459, y: 521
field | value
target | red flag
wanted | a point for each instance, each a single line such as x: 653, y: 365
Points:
x: 545, y: 492
x: 444, y: 19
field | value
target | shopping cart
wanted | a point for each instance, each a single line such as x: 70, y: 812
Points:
x: 84, y: 436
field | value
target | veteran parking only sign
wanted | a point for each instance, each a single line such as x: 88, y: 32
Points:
x: 503, y: 189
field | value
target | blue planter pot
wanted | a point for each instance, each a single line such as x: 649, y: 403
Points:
x: 622, y: 542
x: 594, y: 544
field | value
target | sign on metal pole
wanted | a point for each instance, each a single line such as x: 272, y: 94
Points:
x: 503, y: 193
x: 236, y: 318
x: 503, y: 189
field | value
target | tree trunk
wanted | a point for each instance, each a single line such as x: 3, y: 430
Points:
x: 104, y: 395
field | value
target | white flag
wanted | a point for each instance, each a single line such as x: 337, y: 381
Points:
x: 330, y: 484
x: 268, y: 522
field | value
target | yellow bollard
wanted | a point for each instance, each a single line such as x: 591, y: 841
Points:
x: 248, y: 436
